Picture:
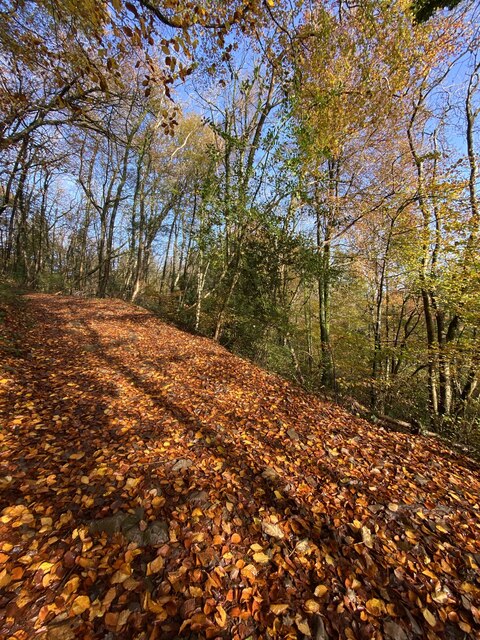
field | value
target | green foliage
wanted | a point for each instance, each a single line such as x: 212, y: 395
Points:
x: 423, y: 10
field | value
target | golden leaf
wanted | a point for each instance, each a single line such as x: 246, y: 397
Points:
x: 440, y: 597
x: 249, y: 572
x: 80, y: 604
x: 221, y: 616
x: 77, y: 456
x: 302, y: 625
x: 261, y: 558
x: 367, y: 537
x: 158, y: 501
x: 155, y: 565
x: 131, y: 483
x: 277, y: 609
x: 151, y: 605
x: 119, y: 577
x: 429, y: 617
x: 109, y: 598
x: 72, y: 585
x: 375, y: 607
x: 429, y: 574
x: 312, y: 606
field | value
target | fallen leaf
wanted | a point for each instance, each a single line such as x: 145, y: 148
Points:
x: 80, y: 604
x: 220, y: 616
x: 273, y: 530
x: 367, y: 537
x: 5, y: 578
x: 302, y: 625
x: 155, y: 565
x: 279, y: 608
x: 429, y: 617
x: 312, y: 606
x: 249, y: 572
x: 393, y: 631
x: 261, y: 558
x: 375, y: 607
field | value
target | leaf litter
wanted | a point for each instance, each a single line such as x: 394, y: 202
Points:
x: 154, y: 485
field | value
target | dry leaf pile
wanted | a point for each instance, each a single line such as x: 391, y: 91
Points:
x: 155, y: 486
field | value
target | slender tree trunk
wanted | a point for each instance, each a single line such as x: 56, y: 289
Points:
x: 7, y: 201
x: 201, y: 279
x: 223, y: 308
x: 325, y: 219
x: 167, y: 253
x: 426, y: 294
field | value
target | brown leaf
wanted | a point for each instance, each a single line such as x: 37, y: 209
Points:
x: 60, y: 632
x: 393, y: 631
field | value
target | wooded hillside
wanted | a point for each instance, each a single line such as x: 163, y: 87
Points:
x: 153, y: 485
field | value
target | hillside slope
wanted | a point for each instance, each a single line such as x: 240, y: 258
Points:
x: 155, y: 486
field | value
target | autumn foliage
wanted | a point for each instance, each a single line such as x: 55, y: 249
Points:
x: 155, y: 486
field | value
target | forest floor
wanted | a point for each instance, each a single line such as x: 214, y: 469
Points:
x: 152, y: 485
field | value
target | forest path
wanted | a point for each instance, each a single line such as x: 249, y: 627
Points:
x: 152, y: 485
